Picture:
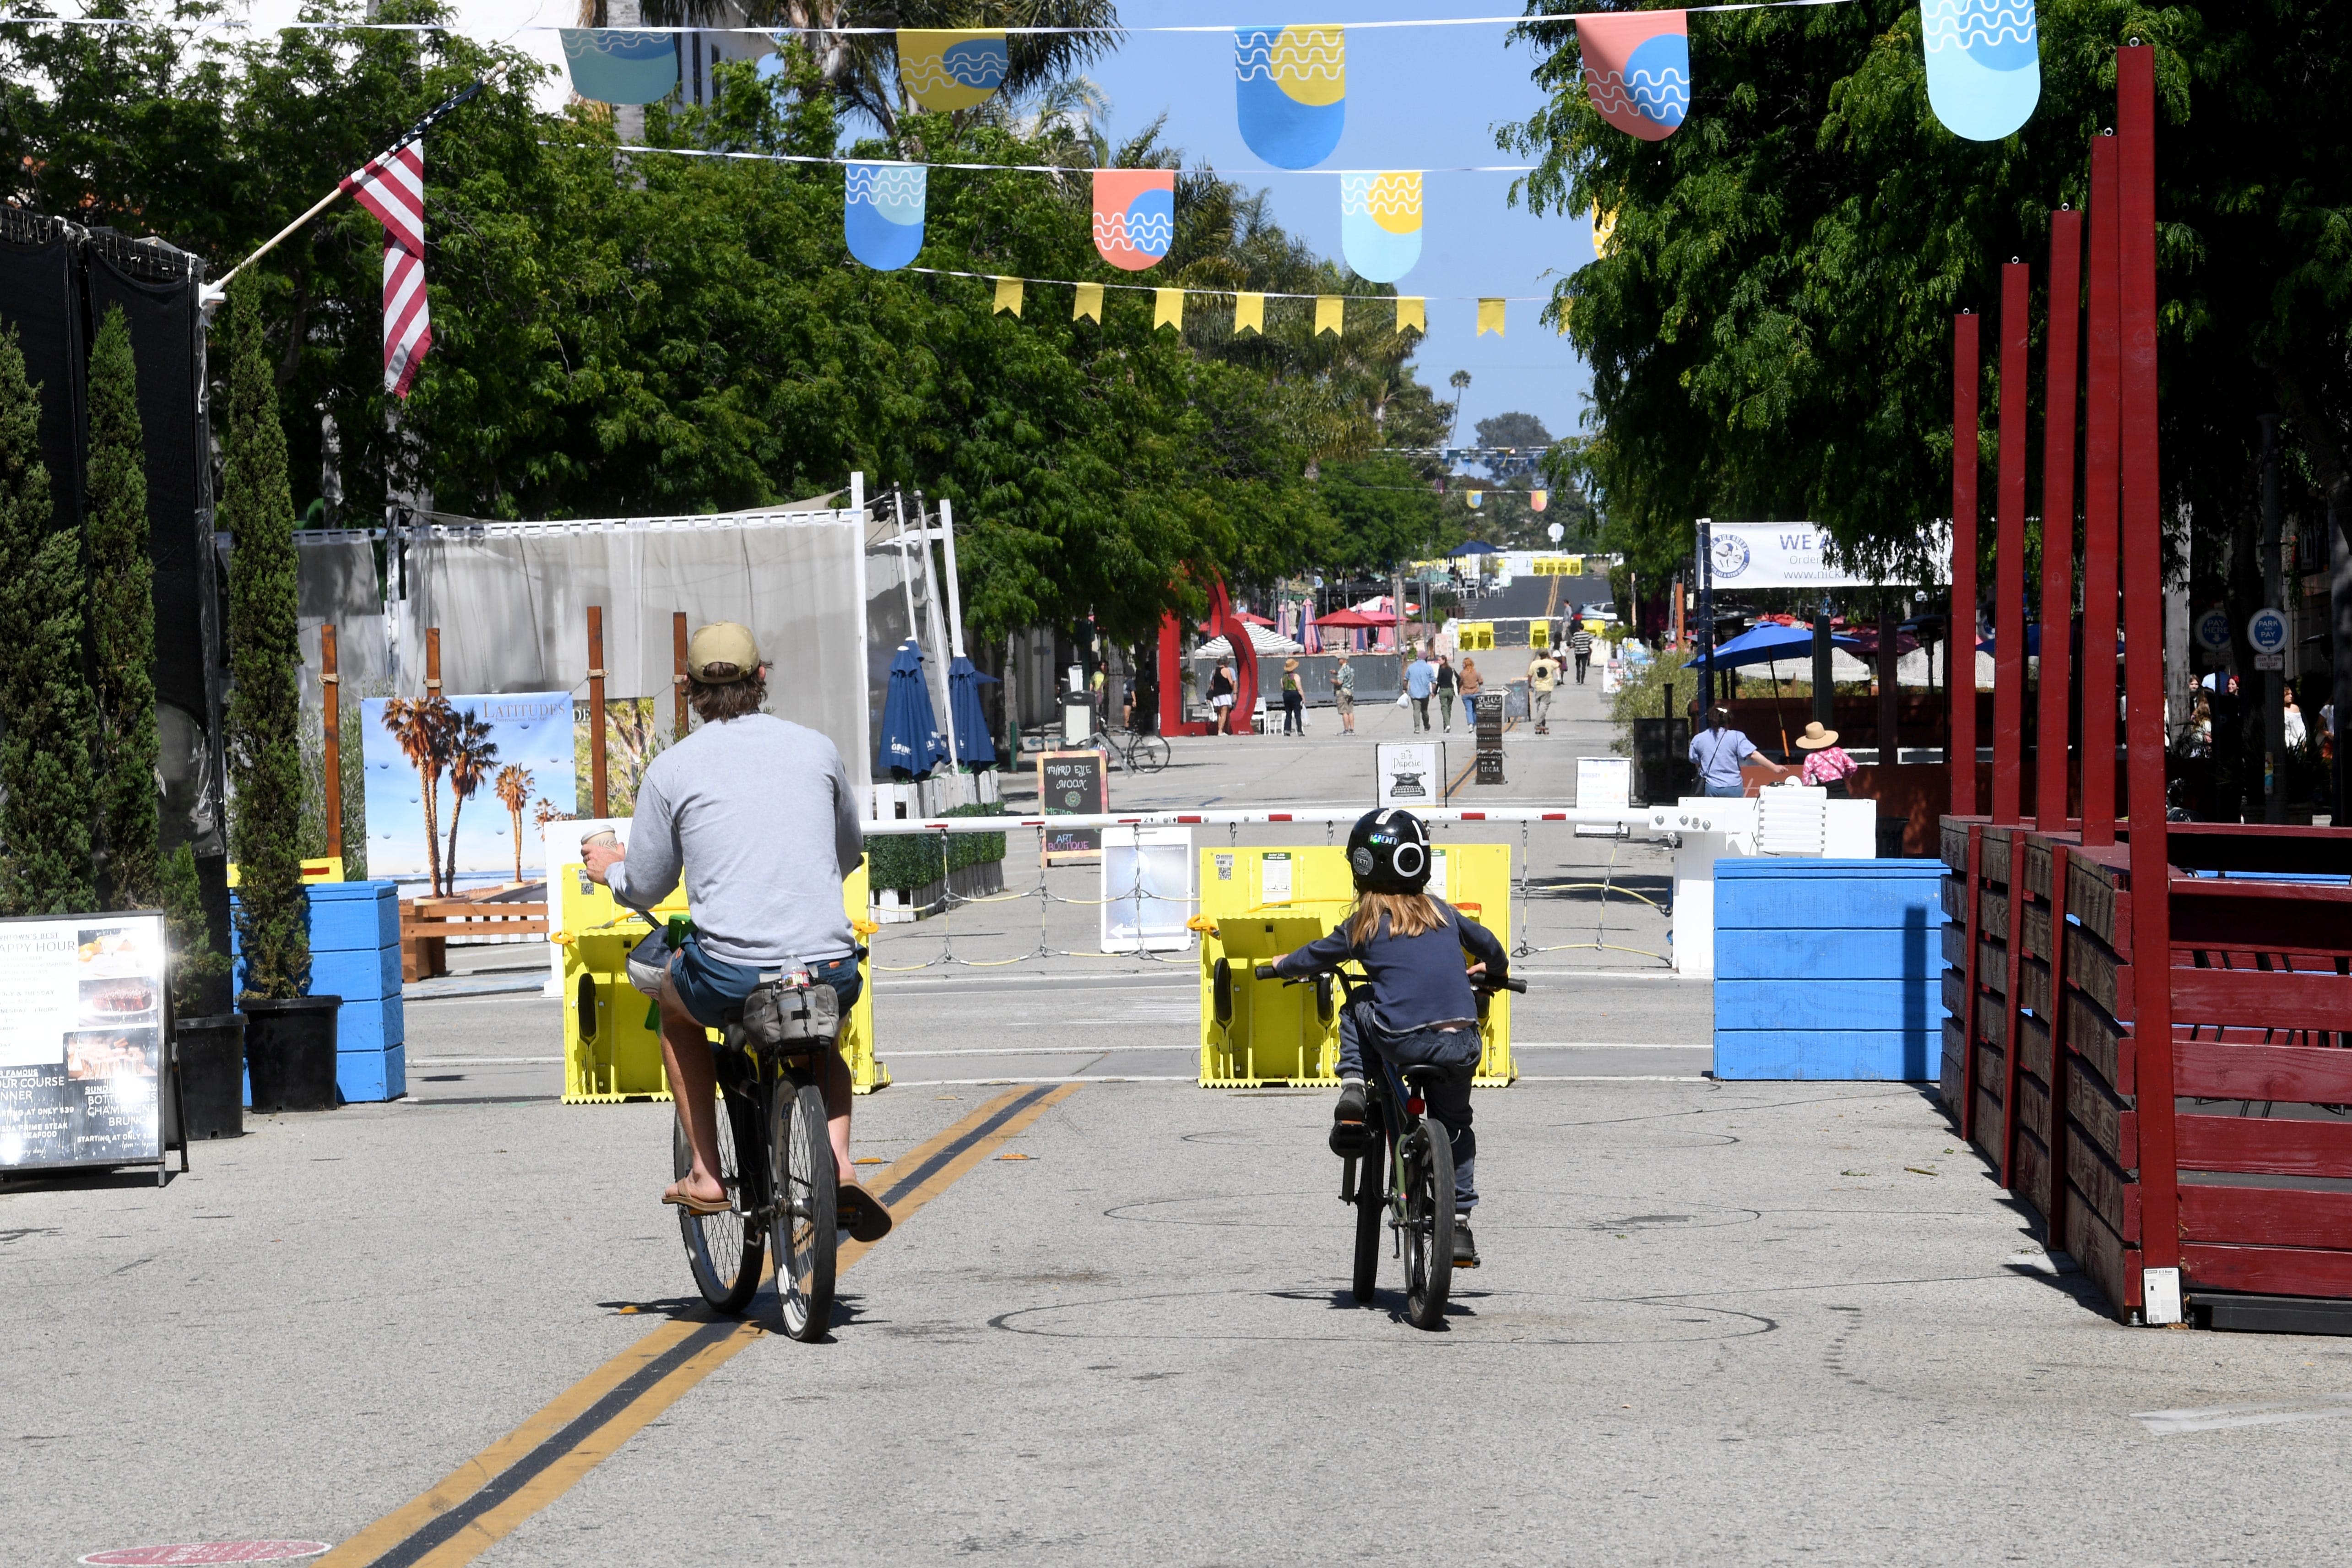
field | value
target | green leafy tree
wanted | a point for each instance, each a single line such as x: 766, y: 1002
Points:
x: 45, y: 707
x: 264, y: 713
x: 122, y: 623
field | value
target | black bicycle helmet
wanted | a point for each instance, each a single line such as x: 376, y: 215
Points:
x: 1388, y: 849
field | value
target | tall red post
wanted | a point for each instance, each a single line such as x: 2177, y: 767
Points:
x: 2008, y: 552
x: 2143, y: 586
x: 2058, y: 516
x: 2099, y: 497
x: 1960, y: 636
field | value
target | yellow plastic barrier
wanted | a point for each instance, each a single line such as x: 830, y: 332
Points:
x: 1474, y: 637
x: 1257, y: 904
x: 611, y: 1050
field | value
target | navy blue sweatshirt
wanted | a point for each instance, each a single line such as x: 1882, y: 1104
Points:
x: 1418, y: 981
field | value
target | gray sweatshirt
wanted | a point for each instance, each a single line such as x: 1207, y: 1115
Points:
x: 741, y: 808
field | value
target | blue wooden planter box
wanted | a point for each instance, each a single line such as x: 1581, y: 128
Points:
x: 355, y: 954
x: 1828, y: 969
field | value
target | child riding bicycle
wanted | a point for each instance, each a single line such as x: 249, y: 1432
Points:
x: 1419, y: 1008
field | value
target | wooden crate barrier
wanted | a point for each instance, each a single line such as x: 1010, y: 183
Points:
x: 428, y: 924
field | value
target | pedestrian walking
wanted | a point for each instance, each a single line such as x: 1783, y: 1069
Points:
x: 1419, y: 680
x: 1294, y: 699
x: 1543, y: 674
x: 1221, y: 697
x: 1343, y: 693
x: 1826, y: 763
x: 1472, y: 683
x: 1718, y: 750
x: 1580, y: 642
x: 1447, y: 680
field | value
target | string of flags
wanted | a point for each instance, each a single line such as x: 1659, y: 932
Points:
x: 1410, y: 312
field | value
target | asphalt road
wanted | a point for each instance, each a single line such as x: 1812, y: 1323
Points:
x: 1762, y: 1323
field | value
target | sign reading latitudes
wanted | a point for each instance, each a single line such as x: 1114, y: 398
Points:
x: 882, y: 217
x: 1291, y: 93
x: 82, y: 1021
x: 617, y: 66
x: 1135, y: 216
x: 1637, y: 71
x: 1984, y: 65
x: 947, y: 69
x: 1379, y: 224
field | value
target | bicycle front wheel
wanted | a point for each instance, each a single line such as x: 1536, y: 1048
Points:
x: 807, y: 1208
x: 1148, y: 755
x: 722, y: 1249
x: 1428, y: 1224
x: 1371, y: 1208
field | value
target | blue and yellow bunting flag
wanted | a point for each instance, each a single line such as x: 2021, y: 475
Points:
x: 613, y: 66
x: 1379, y: 224
x: 1290, y: 89
x: 1984, y: 65
x: 951, y: 69
x: 882, y: 217
x: 1135, y: 216
x: 1637, y: 69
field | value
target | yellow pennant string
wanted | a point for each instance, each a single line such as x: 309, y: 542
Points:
x: 1008, y: 295
x: 1412, y: 312
x: 1249, y: 310
x: 1168, y: 307
x: 1327, y: 317
x: 1088, y: 304
x: 1490, y: 317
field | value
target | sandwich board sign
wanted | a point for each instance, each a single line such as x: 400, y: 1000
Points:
x: 1409, y: 773
x: 84, y: 1026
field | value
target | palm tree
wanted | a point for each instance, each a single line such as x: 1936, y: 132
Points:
x: 1460, y: 382
x: 513, y: 790
x: 471, y: 754
x: 423, y: 727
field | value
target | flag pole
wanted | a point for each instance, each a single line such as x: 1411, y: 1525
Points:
x: 212, y: 293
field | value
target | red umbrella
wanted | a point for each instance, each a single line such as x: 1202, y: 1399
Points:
x: 1354, y: 618
x: 1254, y: 620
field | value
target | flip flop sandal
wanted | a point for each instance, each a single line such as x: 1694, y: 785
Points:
x: 862, y: 1213
x: 695, y: 1206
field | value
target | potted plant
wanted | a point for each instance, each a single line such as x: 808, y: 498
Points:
x: 289, y: 1038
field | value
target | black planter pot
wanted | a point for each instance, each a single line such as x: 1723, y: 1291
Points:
x: 211, y: 1054
x: 289, y: 1053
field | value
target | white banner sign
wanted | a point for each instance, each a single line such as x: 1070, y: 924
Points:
x: 1793, y: 555
x: 1410, y: 773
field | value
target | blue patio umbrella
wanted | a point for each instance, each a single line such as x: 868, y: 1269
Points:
x: 911, y: 744
x: 1474, y: 547
x: 1770, y: 643
x: 973, y: 746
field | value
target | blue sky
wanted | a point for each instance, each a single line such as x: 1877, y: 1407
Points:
x: 1417, y: 98
x: 533, y: 728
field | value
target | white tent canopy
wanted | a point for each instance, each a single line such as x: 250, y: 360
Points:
x: 1262, y: 640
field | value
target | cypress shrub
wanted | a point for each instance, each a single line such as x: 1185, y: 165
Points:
x: 122, y: 625
x: 45, y: 709
x: 196, y: 963
x: 265, y: 708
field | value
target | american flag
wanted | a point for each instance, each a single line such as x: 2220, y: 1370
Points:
x: 391, y: 187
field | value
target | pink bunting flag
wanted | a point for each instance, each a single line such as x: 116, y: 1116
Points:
x: 1135, y: 216
x: 1637, y: 69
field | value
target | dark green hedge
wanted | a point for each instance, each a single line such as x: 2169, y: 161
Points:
x: 910, y: 860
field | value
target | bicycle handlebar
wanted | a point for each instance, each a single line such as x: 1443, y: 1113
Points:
x: 1266, y: 971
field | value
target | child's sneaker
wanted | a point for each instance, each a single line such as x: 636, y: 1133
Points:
x: 1465, y: 1251
x: 1348, y: 1130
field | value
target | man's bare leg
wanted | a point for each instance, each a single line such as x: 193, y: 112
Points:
x: 833, y: 1081
x: 693, y: 1083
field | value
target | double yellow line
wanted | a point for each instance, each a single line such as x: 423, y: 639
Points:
x: 476, y: 1505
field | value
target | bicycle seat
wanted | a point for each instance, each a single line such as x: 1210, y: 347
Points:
x: 1424, y: 1075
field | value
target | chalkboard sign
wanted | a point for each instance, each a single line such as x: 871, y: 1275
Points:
x: 83, y: 1018
x: 1071, y: 784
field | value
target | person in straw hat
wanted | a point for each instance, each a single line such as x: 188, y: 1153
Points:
x: 1826, y: 763
x: 1294, y: 699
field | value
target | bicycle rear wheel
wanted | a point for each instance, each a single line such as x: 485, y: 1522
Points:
x: 1428, y: 1224
x: 1371, y: 1208
x: 807, y: 1207
x: 723, y: 1251
x: 1148, y: 755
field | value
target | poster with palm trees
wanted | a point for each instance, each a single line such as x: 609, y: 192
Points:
x: 449, y: 780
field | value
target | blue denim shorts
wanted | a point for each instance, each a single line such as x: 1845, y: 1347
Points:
x: 713, y: 989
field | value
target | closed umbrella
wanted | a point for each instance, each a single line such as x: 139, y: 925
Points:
x: 911, y: 744
x: 974, y: 747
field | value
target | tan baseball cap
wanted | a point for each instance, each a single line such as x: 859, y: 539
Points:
x: 720, y: 653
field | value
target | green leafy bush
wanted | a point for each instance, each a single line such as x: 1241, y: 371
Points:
x: 122, y: 624
x: 910, y: 861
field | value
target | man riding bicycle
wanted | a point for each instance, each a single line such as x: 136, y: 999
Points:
x: 738, y: 808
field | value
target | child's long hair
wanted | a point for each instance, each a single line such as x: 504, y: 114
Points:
x: 1409, y: 914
